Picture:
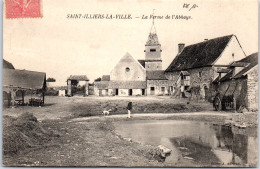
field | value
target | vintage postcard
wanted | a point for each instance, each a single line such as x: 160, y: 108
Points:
x: 130, y: 83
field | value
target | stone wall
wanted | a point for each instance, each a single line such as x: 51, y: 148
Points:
x: 252, y: 89
x: 96, y: 90
x: 152, y: 55
x: 158, y: 85
x: 137, y: 92
x: 173, y: 76
x: 152, y: 65
x: 200, y: 82
x: 237, y: 88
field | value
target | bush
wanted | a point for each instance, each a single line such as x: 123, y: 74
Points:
x: 51, y: 92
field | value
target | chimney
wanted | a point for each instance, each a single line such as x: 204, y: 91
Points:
x: 180, y: 47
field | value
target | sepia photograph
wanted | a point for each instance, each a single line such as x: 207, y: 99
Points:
x: 130, y: 83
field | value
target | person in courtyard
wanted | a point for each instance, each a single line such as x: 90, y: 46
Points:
x: 129, y: 108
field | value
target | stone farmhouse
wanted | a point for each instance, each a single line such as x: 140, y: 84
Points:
x: 237, y: 85
x: 131, y: 77
x: 196, y: 66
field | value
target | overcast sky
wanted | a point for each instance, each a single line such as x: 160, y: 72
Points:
x: 61, y: 47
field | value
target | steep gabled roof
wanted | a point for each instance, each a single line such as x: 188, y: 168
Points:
x: 152, y: 39
x: 101, y: 84
x: 24, y: 79
x: 78, y: 77
x: 7, y: 65
x: 200, y: 54
x: 252, y: 60
x: 155, y: 75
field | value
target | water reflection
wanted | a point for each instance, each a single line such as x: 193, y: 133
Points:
x: 198, y: 142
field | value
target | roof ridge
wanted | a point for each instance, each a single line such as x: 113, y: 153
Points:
x: 29, y: 71
x: 205, y: 41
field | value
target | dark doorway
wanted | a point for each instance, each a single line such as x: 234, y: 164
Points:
x: 116, y: 92
x: 130, y: 92
x: 143, y: 92
x: 152, y: 91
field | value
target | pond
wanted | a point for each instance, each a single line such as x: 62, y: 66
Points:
x: 195, y: 143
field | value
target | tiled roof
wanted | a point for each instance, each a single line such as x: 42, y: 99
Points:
x: 155, y: 75
x: 24, y: 79
x: 78, y: 77
x: 102, y: 84
x: 252, y: 60
x: 200, y: 54
x: 7, y: 65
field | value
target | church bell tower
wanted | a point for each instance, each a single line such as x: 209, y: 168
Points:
x: 153, y: 51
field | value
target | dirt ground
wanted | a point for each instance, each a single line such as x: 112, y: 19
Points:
x: 81, y: 140
x: 73, y: 107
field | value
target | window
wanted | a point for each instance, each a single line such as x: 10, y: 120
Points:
x: 127, y: 69
x: 152, y: 88
x: 152, y: 50
x: 162, y: 89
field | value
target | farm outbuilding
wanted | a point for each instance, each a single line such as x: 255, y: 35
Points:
x: 18, y: 83
x: 238, y: 88
x: 78, y: 84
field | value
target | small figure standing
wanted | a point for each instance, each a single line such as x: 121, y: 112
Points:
x: 129, y: 108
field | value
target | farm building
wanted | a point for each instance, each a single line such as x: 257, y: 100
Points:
x: 77, y: 85
x: 238, y: 86
x: 195, y: 66
x: 20, y: 83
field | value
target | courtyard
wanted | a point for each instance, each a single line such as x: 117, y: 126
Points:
x: 72, y: 131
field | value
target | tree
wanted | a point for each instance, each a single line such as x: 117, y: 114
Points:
x: 98, y: 79
x: 50, y: 79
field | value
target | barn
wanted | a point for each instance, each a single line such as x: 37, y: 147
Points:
x: 22, y: 87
